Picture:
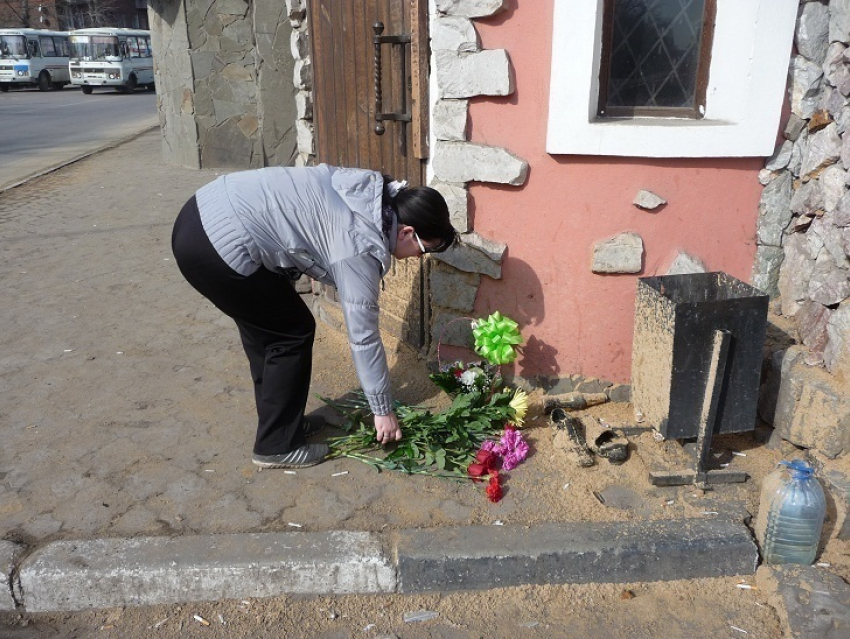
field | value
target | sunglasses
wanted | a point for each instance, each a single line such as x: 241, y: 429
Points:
x: 421, y: 245
x: 424, y: 249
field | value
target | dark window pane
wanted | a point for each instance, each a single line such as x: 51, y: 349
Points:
x: 623, y: 68
x: 654, y: 53
x: 671, y: 94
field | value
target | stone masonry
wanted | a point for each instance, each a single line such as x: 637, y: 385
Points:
x: 463, y: 70
x: 223, y: 70
x: 803, y: 254
x: 302, y: 80
x: 804, y: 214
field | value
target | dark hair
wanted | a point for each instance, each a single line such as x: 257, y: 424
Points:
x: 425, y: 210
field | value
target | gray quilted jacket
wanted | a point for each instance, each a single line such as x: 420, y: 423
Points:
x: 324, y: 222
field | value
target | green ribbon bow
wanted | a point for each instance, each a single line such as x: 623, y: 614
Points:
x: 495, y: 338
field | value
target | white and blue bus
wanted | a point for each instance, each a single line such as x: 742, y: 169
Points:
x: 33, y: 57
x: 107, y: 57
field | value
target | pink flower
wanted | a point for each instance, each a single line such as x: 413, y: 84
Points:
x: 510, y: 462
x: 512, y: 448
x: 488, y: 445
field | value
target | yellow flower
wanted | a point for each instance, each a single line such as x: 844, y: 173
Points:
x: 519, y: 402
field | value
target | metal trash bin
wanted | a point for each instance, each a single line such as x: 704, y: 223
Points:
x: 676, y: 317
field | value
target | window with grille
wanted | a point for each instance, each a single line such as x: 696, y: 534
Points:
x: 699, y: 78
x: 655, y: 58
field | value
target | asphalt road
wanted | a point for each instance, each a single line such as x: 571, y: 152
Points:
x: 42, y: 130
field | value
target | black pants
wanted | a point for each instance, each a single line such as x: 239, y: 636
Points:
x: 276, y: 327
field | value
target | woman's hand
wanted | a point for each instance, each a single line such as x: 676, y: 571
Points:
x: 387, y: 429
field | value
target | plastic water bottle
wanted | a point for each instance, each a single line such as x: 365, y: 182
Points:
x: 795, y: 511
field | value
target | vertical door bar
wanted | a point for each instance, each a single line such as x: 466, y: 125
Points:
x: 419, y: 53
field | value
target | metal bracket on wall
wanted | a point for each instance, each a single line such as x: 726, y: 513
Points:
x: 378, y: 40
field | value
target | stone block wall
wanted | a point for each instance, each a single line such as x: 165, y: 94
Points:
x: 302, y: 81
x: 803, y: 256
x: 224, y: 73
x: 174, y: 82
x: 462, y: 71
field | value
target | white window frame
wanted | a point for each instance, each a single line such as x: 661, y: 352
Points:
x: 747, y: 77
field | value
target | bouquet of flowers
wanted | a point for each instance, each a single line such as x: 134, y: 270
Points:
x: 459, y: 377
x: 461, y: 442
x: 438, y: 444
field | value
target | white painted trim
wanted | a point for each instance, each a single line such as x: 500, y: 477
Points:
x: 747, y: 79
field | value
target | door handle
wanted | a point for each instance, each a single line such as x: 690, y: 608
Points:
x: 378, y: 40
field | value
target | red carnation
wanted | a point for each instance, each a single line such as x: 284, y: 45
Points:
x: 494, y: 490
x: 488, y: 458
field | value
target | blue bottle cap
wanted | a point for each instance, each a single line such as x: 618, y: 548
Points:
x: 799, y: 469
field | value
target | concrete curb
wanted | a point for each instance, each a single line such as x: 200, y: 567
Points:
x: 77, y: 575
x: 104, y: 573
x: 77, y: 158
x: 573, y: 552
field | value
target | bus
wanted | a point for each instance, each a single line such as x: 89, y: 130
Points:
x: 33, y: 57
x: 107, y: 57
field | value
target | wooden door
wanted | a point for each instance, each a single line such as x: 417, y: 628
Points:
x: 345, y: 82
x: 345, y: 86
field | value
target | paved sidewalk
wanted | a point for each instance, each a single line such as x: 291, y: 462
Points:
x: 127, y: 419
x: 127, y: 407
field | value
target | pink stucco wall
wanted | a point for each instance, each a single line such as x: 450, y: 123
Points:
x: 574, y: 321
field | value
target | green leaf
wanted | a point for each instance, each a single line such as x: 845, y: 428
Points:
x: 439, y: 444
x: 440, y: 457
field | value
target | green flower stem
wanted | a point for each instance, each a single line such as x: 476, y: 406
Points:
x: 437, y: 445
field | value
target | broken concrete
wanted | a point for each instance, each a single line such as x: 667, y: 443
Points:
x: 9, y: 553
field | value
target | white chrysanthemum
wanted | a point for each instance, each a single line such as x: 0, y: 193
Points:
x: 519, y: 402
x: 467, y: 378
